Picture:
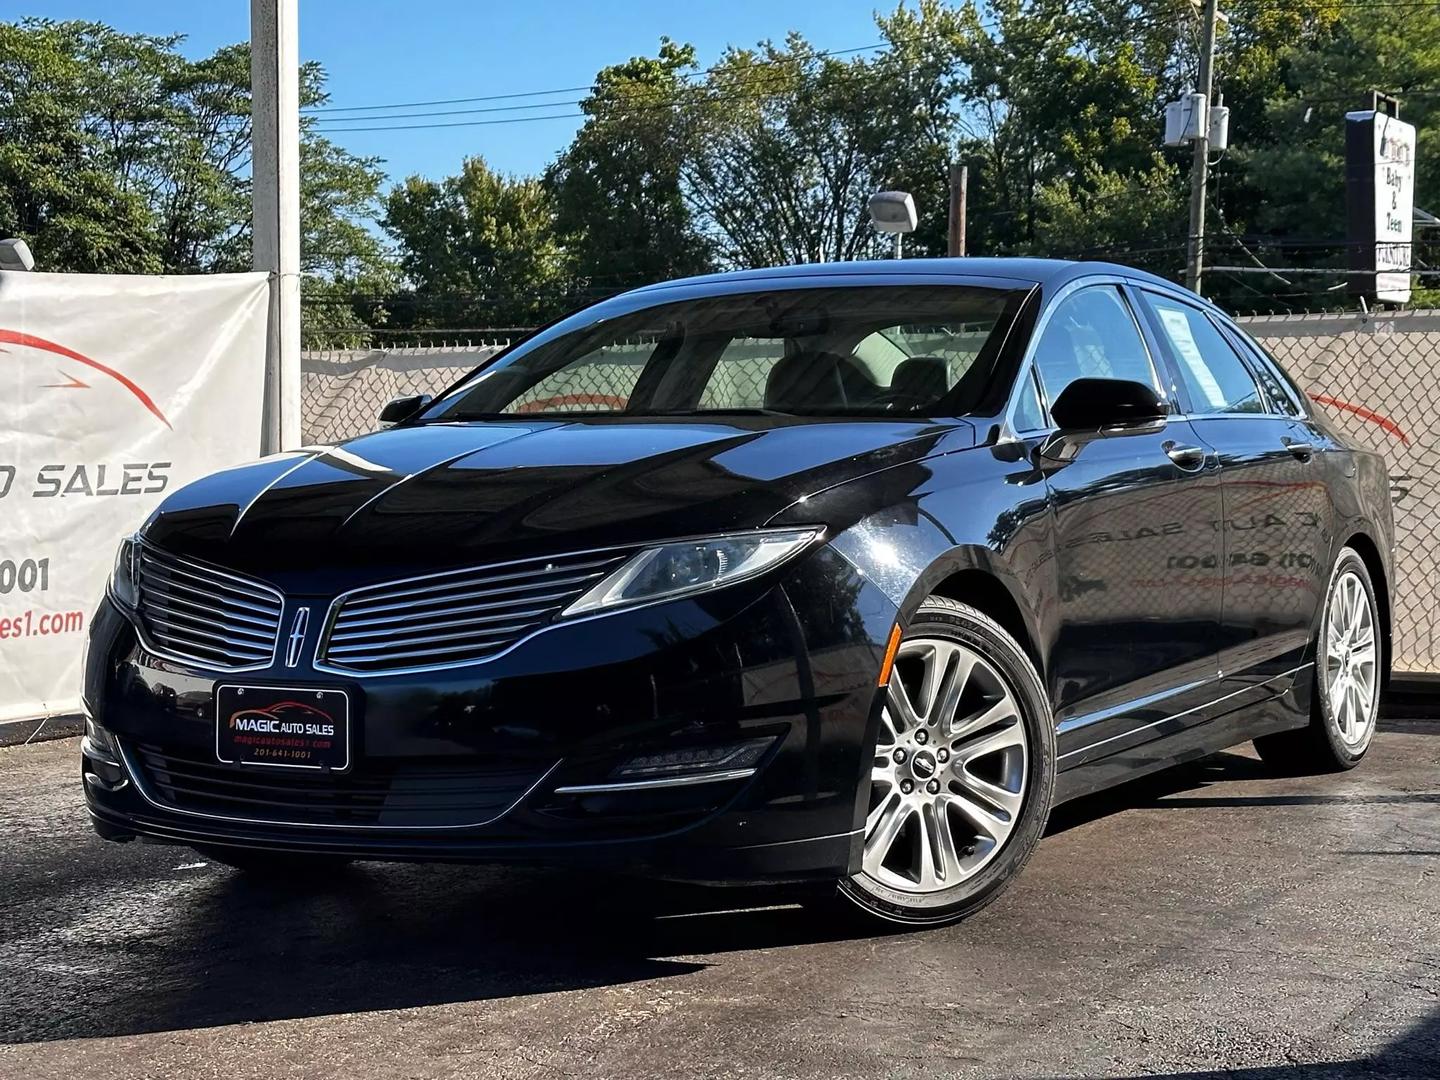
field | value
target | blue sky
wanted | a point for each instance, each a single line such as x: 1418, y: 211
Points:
x: 381, y: 52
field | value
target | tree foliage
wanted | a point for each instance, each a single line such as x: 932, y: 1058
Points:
x: 616, y: 189
x: 479, y: 249
x: 118, y: 154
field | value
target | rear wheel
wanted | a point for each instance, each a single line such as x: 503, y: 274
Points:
x: 1349, y: 666
x: 274, y: 864
x: 963, y: 771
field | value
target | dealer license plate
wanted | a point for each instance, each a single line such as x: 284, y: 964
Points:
x: 283, y: 726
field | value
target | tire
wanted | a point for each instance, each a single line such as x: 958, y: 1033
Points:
x: 274, y: 864
x: 964, y: 761
x: 1341, y: 727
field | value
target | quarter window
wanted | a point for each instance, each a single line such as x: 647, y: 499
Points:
x: 1215, y: 377
x: 1284, y: 395
x: 1091, y: 335
x: 1029, y: 415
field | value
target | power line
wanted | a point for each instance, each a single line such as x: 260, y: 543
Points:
x: 590, y: 88
x: 460, y: 123
x: 314, y: 109
x: 321, y: 113
x: 442, y: 112
x: 700, y: 95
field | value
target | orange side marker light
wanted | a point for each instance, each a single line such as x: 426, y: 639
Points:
x: 891, y: 649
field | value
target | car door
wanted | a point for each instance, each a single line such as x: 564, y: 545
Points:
x: 1276, y: 510
x: 1136, y: 548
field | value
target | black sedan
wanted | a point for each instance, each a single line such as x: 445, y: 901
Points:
x: 841, y: 574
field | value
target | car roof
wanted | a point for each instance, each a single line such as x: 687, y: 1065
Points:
x: 1045, y: 272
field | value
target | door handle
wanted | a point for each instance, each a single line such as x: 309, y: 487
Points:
x: 1303, y: 451
x: 1189, y: 458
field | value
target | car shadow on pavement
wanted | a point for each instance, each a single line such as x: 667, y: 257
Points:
x: 211, y: 946
x: 1206, y: 772
x: 1197, y: 785
x: 195, y: 945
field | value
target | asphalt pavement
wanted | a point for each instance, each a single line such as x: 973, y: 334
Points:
x: 1213, y: 920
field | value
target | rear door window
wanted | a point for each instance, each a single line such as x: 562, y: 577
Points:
x: 1215, y: 379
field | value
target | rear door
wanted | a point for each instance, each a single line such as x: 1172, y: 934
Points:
x: 1136, y: 548
x: 1276, y: 531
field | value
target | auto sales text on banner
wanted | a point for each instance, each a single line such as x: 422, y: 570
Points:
x: 114, y: 390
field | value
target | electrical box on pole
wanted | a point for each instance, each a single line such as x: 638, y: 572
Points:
x: 1185, y: 120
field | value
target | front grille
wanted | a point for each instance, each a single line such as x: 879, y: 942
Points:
x: 416, y: 795
x: 457, y: 617
x: 202, y: 613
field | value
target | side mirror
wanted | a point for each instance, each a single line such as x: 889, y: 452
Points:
x: 1098, y: 404
x: 402, y: 408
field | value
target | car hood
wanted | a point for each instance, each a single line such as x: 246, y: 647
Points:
x: 428, y: 497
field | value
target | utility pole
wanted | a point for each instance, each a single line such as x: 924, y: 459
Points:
x: 959, y: 182
x: 1195, y: 249
x: 275, y: 172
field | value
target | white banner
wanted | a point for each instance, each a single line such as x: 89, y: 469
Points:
x: 114, y: 390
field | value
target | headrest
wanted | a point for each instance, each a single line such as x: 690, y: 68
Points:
x: 806, y: 380
x: 920, y: 380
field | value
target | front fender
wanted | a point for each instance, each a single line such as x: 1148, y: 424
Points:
x: 982, y: 511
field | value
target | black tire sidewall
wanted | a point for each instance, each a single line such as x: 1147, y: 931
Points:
x: 937, y: 617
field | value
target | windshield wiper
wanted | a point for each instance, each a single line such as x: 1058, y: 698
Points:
x: 511, y: 417
x: 597, y: 414
x: 716, y: 412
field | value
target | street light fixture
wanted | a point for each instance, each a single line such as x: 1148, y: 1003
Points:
x: 15, y: 255
x: 893, y: 212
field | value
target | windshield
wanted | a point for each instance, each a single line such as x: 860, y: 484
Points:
x: 866, y: 350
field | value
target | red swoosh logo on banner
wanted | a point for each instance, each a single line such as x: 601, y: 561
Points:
x: 70, y: 383
x: 1385, y: 422
x: 15, y: 337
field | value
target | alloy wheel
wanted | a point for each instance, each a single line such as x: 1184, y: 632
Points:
x: 949, y: 778
x: 1350, y: 671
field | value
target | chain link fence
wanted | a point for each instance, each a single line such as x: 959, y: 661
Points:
x: 342, y: 391
x: 1376, y: 376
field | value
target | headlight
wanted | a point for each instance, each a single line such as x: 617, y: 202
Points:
x: 122, y: 579
x: 692, y: 566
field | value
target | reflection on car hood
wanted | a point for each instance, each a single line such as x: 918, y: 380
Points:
x: 415, y: 499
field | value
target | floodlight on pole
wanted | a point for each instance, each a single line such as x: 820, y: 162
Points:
x: 15, y: 255
x: 893, y: 212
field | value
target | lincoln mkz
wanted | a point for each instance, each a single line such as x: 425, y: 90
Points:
x: 837, y: 574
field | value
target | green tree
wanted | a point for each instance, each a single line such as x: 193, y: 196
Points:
x: 1064, y: 101
x: 780, y: 165
x: 63, y: 130
x: 617, y: 188
x: 1285, y: 194
x: 919, y: 114
x: 118, y: 155
x: 478, y: 249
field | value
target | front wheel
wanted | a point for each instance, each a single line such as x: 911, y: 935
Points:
x: 963, y: 772
x: 1349, y: 669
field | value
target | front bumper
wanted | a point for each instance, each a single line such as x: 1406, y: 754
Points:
x: 501, y: 761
